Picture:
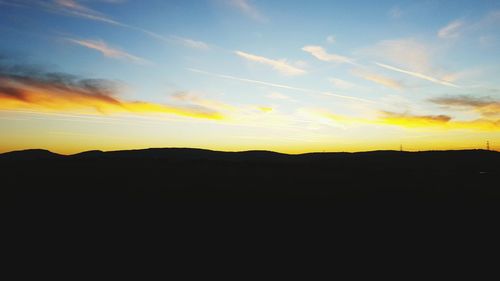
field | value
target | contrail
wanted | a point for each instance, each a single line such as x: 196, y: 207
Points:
x: 304, y: 90
x: 418, y: 75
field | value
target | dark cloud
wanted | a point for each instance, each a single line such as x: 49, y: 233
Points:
x: 16, y: 78
x: 25, y: 86
x: 486, y: 106
x: 13, y: 93
x: 412, y: 118
x: 466, y: 101
x: 438, y: 121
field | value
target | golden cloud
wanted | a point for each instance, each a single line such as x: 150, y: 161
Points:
x: 412, y: 121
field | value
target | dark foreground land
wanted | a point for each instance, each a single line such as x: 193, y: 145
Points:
x: 179, y: 175
x: 205, y: 197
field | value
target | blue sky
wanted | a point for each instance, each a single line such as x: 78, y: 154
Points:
x: 291, y: 76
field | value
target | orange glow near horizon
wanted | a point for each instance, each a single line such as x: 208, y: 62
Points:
x: 72, y: 133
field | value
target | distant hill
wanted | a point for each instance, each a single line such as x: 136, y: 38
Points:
x: 30, y: 154
x: 261, y: 155
x: 150, y: 153
x: 179, y: 154
x: 186, y: 174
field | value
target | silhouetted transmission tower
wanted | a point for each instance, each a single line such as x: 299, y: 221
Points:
x: 487, y: 145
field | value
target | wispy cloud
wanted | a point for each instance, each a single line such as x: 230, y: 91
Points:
x: 489, y: 23
x: 486, y: 106
x: 27, y: 88
x: 395, y: 12
x: 418, y: 75
x: 411, y: 57
x: 487, y: 40
x: 108, y: 51
x: 341, y: 84
x: 199, y: 100
x: 324, y: 116
x: 275, y: 85
x: 71, y: 8
x: 492, y: 18
x: 12, y: 4
x: 320, y: 53
x: 406, y: 52
x: 249, y: 80
x: 280, y: 65
x: 173, y: 39
x: 71, y: 4
x: 191, y: 43
x: 247, y: 8
x: 76, y: 9
x: 405, y: 120
x: 451, y: 30
x: 378, y: 79
x: 278, y: 96
x: 113, y: 1
x: 331, y: 39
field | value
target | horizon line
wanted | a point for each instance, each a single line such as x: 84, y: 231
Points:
x: 251, y: 150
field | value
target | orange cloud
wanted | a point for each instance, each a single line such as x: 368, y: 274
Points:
x: 23, y: 88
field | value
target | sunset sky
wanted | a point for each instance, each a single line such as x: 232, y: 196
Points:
x: 283, y: 75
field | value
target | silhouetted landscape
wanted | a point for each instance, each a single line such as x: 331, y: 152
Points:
x: 163, y: 176
x: 289, y: 76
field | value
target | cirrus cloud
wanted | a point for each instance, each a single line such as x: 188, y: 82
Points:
x: 451, y: 30
x: 247, y: 8
x: 379, y: 79
x: 108, y: 51
x: 418, y: 75
x: 281, y: 66
x: 321, y: 54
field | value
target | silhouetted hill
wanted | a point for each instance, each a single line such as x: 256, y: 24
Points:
x: 88, y: 154
x: 180, y: 154
x: 252, y: 155
x: 166, y: 174
x: 30, y: 154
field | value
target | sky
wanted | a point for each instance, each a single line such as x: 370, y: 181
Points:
x: 289, y: 76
